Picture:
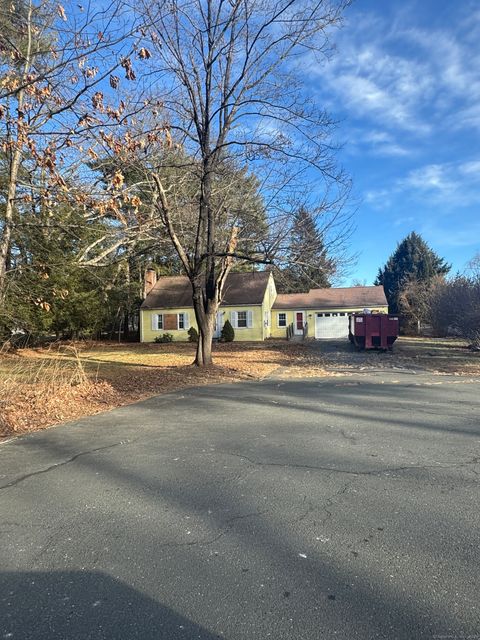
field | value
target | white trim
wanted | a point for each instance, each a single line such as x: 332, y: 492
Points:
x: 219, y: 324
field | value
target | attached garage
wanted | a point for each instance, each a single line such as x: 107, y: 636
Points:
x: 323, y: 314
x: 329, y: 326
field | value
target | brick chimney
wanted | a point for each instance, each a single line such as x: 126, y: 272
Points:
x: 150, y: 281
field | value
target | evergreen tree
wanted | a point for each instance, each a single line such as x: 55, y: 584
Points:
x: 412, y: 262
x: 308, y: 263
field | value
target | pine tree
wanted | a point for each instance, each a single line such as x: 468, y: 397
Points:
x: 412, y: 262
x: 308, y: 263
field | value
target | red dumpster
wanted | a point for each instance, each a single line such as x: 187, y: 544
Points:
x: 373, y: 330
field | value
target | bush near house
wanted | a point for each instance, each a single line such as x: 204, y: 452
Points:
x: 192, y: 335
x: 228, y: 332
x: 165, y: 337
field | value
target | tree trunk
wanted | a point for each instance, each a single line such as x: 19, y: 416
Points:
x: 6, y: 236
x: 206, y: 324
x: 203, y: 356
x: 16, y: 158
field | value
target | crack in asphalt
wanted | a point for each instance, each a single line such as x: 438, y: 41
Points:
x: 285, y: 465
x: 226, y: 526
x: 373, y: 472
x: 52, y: 467
x: 329, y: 501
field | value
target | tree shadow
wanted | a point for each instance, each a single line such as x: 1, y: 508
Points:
x: 81, y: 605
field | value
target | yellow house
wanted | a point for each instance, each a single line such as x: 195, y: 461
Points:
x: 247, y: 303
x: 256, y: 312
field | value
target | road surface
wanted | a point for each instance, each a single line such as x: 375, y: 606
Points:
x: 343, y: 507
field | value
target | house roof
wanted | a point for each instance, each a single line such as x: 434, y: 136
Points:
x: 333, y: 298
x: 175, y: 292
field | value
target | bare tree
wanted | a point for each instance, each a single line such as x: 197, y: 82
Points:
x: 229, y: 76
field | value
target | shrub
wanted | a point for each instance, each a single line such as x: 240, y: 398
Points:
x: 228, y: 333
x: 166, y: 337
x: 192, y: 335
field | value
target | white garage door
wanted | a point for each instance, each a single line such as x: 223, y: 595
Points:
x: 329, y: 325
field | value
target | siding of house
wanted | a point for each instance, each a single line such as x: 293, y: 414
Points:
x: 147, y: 334
x: 268, y: 300
x: 280, y: 332
x: 255, y: 332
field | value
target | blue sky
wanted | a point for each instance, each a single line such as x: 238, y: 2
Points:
x: 404, y: 84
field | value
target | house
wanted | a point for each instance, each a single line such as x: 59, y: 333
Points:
x: 247, y: 303
x: 256, y: 312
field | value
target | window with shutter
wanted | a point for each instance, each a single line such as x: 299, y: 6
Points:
x: 242, y: 320
x: 157, y: 322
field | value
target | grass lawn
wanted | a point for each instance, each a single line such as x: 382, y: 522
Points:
x: 41, y: 387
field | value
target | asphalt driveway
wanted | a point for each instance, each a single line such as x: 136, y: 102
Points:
x: 345, y: 507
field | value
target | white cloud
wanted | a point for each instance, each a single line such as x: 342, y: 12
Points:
x: 445, y: 186
x: 409, y: 80
x: 471, y: 168
x: 384, y: 144
x: 432, y: 177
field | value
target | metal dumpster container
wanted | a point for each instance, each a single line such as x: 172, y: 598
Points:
x: 373, y: 330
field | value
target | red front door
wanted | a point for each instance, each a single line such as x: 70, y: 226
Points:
x: 299, y: 317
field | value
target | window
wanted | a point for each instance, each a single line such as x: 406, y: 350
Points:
x: 242, y: 319
x: 159, y: 322
x: 282, y: 319
x: 181, y: 321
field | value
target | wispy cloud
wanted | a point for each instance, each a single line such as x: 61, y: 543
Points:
x: 402, y: 78
x: 446, y: 186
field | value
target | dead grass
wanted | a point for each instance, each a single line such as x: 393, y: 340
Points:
x: 42, y: 387
x: 442, y: 355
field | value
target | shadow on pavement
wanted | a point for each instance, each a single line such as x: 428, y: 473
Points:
x: 76, y: 605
